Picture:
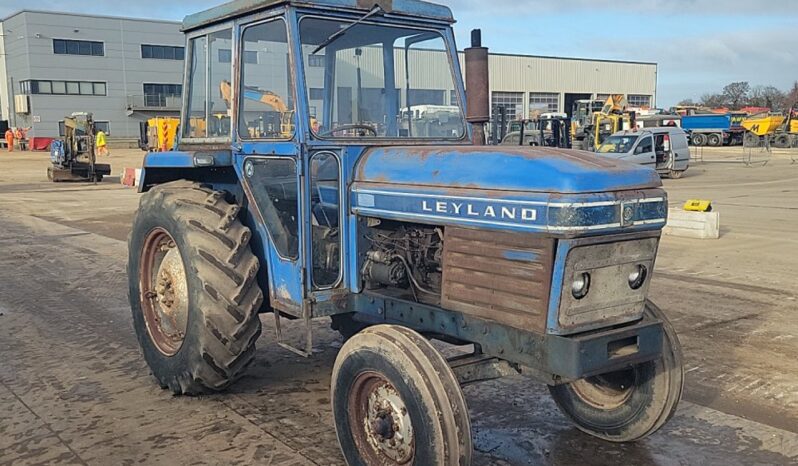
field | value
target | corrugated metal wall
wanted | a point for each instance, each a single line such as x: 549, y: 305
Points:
x: 515, y: 73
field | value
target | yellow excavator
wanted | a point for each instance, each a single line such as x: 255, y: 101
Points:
x: 160, y: 133
x: 612, y: 118
x: 263, y: 128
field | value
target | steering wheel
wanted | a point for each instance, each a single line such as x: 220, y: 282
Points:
x: 331, y: 132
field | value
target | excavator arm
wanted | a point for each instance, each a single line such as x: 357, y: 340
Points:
x: 258, y: 95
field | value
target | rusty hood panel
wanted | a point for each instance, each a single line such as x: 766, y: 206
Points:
x: 502, y: 168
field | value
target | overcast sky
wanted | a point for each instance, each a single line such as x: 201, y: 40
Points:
x: 700, y: 45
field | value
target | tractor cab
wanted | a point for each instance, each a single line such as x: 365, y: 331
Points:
x: 327, y: 168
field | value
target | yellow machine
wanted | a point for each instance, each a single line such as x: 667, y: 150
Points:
x: 159, y: 134
x: 772, y: 129
x: 763, y: 124
x: 266, y: 97
x: 612, y: 118
x: 698, y: 205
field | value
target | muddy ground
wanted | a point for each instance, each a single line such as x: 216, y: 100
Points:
x: 74, y: 389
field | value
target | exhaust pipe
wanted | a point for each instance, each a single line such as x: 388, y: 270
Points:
x: 477, y: 87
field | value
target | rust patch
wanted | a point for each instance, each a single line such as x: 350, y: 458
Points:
x: 504, y: 277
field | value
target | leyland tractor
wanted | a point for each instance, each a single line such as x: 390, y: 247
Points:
x: 342, y: 205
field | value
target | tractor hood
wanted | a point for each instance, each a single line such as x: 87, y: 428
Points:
x: 502, y: 168
x: 507, y: 187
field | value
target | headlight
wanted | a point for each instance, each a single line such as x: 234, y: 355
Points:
x: 638, y: 277
x: 581, y: 285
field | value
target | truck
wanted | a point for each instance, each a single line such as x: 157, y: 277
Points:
x: 526, y: 259
x: 713, y: 129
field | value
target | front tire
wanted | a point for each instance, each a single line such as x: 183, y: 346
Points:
x: 192, y: 288
x: 396, y: 401
x: 629, y: 404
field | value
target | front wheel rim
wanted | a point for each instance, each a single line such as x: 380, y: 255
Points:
x: 164, y: 292
x: 380, y: 422
x: 607, y: 391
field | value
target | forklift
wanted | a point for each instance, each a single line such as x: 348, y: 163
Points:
x: 74, y: 158
x: 546, y: 130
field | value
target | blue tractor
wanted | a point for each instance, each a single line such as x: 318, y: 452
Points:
x: 368, y: 196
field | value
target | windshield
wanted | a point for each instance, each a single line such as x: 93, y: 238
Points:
x: 617, y: 144
x: 379, y: 81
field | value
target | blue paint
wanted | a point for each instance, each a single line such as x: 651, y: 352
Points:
x: 531, y: 213
x: 557, y: 282
x: 176, y: 159
x: 184, y: 159
x: 503, y: 168
x: 721, y: 122
x: 520, y: 256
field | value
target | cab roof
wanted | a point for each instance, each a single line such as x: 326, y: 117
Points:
x: 235, y: 8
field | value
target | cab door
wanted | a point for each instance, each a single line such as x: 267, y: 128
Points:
x: 269, y: 158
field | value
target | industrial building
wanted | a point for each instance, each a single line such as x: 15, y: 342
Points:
x: 127, y: 70
x: 123, y: 70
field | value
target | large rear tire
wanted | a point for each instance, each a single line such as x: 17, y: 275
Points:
x: 192, y: 288
x: 751, y: 140
x: 629, y: 404
x: 396, y: 401
x: 782, y: 141
x: 698, y: 139
x: 714, y: 140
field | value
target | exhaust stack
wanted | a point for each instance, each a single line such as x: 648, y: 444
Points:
x: 477, y: 87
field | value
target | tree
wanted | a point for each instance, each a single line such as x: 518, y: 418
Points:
x: 792, y: 96
x: 767, y: 96
x: 687, y: 103
x: 736, y: 93
x: 713, y: 100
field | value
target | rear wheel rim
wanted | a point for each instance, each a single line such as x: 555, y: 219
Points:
x: 607, y: 391
x: 164, y: 292
x: 380, y: 422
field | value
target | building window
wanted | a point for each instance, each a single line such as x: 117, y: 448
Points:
x: 226, y: 56
x: 453, y: 97
x: 47, y: 87
x: 641, y: 101
x: 103, y: 126
x: 316, y: 93
x: 78, y: 47
x: 543, y: 102
x: 512, y: 102
x: 155, y: 95
x: 162, y: 52
x: 316, y: 61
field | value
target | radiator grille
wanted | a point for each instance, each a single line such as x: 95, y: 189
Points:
x: 499, y: 276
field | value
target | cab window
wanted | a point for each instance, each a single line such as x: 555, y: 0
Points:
x: 208, y: 114
x: 266, y: 97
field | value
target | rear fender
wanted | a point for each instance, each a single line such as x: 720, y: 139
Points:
x: 214, y: 168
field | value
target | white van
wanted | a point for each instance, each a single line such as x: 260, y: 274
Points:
x: 664, y: 149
